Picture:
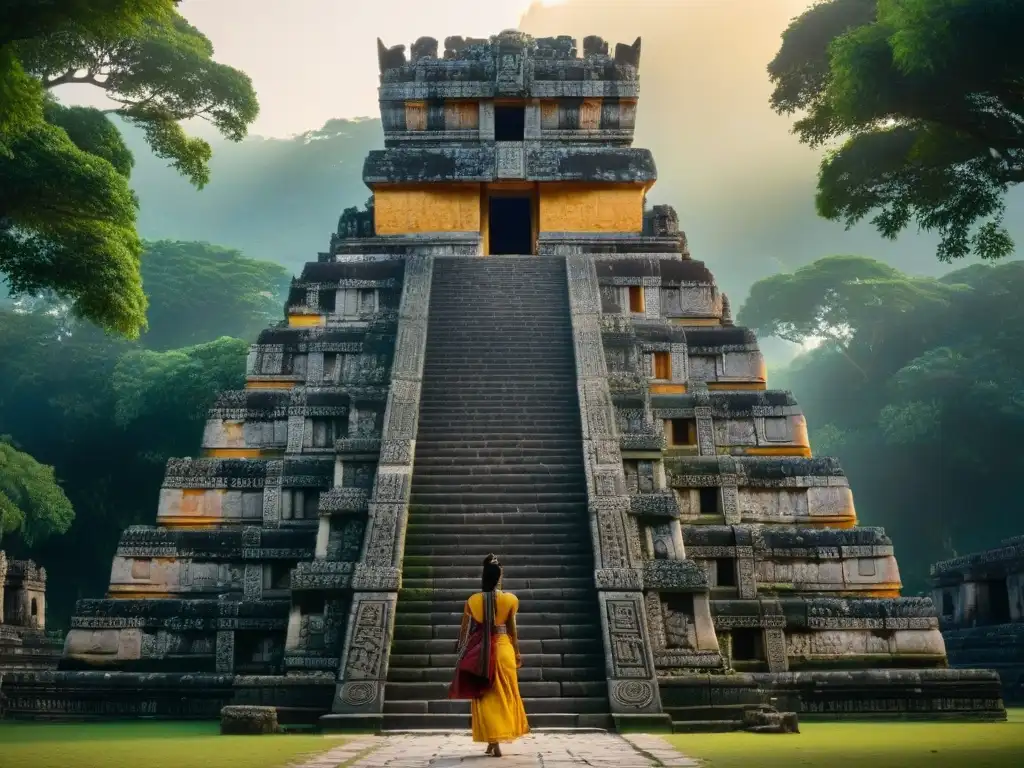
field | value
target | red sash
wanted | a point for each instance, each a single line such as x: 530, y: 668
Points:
x: 474, y: 670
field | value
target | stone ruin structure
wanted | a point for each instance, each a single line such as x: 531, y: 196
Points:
x: 981, y: 612
x: 505, y: 352
x: 24, y: 644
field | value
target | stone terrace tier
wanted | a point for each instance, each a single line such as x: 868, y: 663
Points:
x: 981, y: 598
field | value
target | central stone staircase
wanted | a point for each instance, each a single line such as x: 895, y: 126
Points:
x: 499, y: 468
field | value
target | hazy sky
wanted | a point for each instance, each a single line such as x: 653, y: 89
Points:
x: 313, y: 60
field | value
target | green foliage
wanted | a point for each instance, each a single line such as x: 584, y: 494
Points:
x: 161, y: 74
x: 69, y: 226
x: 931, y: 122
x: 850, y: 302
x: 67, y: 214
x: 930, y: 426
x: 200, y: 291
x: 32, y: 504
x: 25, y: 22
x: 150, y: 385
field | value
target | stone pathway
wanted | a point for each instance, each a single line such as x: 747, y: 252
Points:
x: 540, y: 750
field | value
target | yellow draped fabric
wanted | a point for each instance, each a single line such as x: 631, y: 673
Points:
x: 499, y: 716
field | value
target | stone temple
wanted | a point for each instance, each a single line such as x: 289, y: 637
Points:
x: 981, y: 603
x: 507, y: 352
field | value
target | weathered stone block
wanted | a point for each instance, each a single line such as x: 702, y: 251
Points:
x: 248, y: 721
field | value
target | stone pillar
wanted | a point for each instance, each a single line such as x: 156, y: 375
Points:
x: 3, y: 582
x: 363, y: 668
x: 224, y: 652
x: 629, y: 658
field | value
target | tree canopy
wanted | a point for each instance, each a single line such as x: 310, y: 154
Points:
x: 122, y: 408
x: 925, y: 98
x: 920, y: 394
x: 198, y: 292
x: 67, y: 212
x: 32, y: 504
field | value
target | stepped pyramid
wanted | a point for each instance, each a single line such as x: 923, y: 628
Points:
x: 504, y: 352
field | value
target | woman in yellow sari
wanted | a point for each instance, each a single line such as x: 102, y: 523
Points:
x: 498, y: 713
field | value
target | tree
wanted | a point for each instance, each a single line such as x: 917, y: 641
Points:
x: 851, y: 303
x: 925, y: 95
x: 198, y: 292
x: 67, y: 214
x: 24, y: 21
x: 149, y: 385
x: 161, y: 74
x: 32, y: 504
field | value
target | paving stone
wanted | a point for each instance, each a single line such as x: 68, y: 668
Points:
x: 568, y: 749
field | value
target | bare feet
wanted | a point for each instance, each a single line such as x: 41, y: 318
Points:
x: 490, y: 749
x: 496, y: 752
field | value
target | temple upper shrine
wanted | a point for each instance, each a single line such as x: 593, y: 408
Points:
x: 511, y: 140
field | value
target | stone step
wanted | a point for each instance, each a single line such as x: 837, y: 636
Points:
x: 449, y: 434
x: 553, y: 593
x: 449, y: 613
x: 559, y: 509
x: 549, y: 610
x: 563, y: 414
x: 460, y: 568
x: 499, y: 458
x: 511, y: 555
x: 524, y: 416
x: 577, y: 645
x: 514, y: 583
x: 523, y: 488
x: 534, y: 706
x: 591, y: 677
x: 450, y: 518
x: 499, y: 468
x: 448, y: 660
x: 539, y: 689
x: 549, y: 443
x: 563, y: 403
x: 451, y: 529
x: 408, y: 629
x: 494, y: 538
x: 492, y: 497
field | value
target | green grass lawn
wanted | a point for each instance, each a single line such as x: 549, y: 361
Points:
x: 149, y: 745
x: 866, y: 745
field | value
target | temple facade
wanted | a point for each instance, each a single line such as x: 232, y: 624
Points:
x: 980, y: 597
x: 507, y: 351
x: 24, y: 644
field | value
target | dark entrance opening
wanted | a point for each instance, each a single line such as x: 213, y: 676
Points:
x: 725, y: 572
x: 747, y: 644
x: 709, y: 501
x: 509, y: 123
x: 998, y: 602
x: 511, y: 226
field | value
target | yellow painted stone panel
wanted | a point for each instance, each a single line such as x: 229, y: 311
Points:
x: 668, y: 389
x: 590, y: 115
x: 696, y: 322
x: 737, y: 386
x: 461, y: 115
x: 591, y: 208
x: 416, y: 115
x: 232, y: 453
x: 407, y: 210
x: 767, y: 450
x: 549, y: 115
x: 306, y: 321
x: 269, y: 384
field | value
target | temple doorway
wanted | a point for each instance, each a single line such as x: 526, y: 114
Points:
x: 510, y: 219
